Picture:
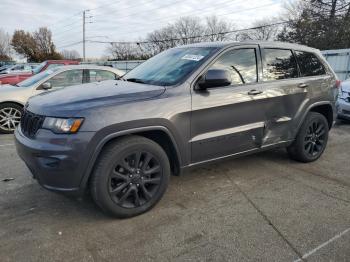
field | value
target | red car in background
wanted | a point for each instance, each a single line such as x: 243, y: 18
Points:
x: 14, y: 79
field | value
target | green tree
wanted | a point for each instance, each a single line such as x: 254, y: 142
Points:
x: 323, y: 24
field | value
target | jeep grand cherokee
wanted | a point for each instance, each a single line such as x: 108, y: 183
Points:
x: 184, y: 107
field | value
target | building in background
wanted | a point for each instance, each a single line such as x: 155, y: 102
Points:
x: 340, y: 62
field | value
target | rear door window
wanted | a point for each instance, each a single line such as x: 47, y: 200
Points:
x: 101, y: 75
x: 241, y: 65
x: 309, y: 64
x: 279, y: 64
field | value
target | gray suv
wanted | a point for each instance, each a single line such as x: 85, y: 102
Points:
x: 187, y: 106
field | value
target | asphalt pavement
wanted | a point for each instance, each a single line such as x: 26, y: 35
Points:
x: 262, y: 207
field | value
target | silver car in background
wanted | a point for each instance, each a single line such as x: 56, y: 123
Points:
x: 343, y: 102
x: 18, y: 68
x: 13, y: 98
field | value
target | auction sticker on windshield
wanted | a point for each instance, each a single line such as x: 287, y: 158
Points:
x: 192, y: 57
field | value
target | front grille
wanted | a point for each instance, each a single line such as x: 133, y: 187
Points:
x: 31, y: 123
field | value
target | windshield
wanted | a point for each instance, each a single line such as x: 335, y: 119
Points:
x: 38, y: 68
x: 35, y: 78
x: 170, y: 67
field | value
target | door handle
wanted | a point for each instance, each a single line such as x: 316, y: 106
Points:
x: 254, y: 92
x: 302, y: 85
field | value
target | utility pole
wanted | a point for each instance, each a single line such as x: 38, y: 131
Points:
x: 84, y: 33
x: 84, y: 12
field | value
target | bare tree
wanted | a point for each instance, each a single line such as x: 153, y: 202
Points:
x: 70, y: 54
x: 5, y: 45
x: 125, y: 51
x: 162, y: 39
x: 185, y: 30
x: 37, y: 46
x: 262, y: 32
x: 216, y: 29
x: 189, y: 30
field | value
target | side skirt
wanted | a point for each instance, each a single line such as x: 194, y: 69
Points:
x: 184, y: 169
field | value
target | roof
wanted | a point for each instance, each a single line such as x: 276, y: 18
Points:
x: 96, y: 67
x: 224, y: 44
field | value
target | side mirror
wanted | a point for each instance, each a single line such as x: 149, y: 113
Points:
x: 46, y: 86
x: 214, y: 78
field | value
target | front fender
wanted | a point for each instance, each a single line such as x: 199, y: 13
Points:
x: 101, y: 139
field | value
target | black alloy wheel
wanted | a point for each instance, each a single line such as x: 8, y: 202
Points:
x: 135, y: 179
x: 314, y: 141
x: 311, y: 140
x: 130, y: 176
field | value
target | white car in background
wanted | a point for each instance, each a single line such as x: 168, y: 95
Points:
x: 343, y: 103
x: 13, y: 98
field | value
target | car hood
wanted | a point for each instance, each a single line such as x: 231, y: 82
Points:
x: 345, y: 86
x: 7, y: 87
x: 14, y: 93
x: 14, y: 75
x: 71, y: 100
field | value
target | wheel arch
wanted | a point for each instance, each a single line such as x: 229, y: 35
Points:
x: 325, y: 108
x: 12, y: 102
x: 159, y: 134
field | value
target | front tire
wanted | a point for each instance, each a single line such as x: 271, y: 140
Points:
x: 311, y: 140
x: 10, y: 117
x: 130, y: 176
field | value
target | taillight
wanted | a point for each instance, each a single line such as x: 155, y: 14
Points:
x: 337, y: 83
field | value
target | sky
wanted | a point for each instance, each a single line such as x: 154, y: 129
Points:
x: 123, y: 20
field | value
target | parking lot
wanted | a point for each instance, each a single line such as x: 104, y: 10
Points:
x: 263, y: 207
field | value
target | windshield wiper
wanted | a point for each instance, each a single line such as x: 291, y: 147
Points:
x: 135, y: 80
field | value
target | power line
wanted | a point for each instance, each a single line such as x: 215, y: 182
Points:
x: 181, y: 14
x: 113, y: 3
x: 190, y: 37
x: 220, y: 15
x: 180, y: 38
x: 137, y: 13
x: 64, y: 19
x: 192, y: 13
x: 113, y: 11
x: 71, y: 44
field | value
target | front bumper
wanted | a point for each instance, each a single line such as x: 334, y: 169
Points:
x: 343, y: 109
x: 58, y: 162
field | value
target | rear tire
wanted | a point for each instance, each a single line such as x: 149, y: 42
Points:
x: 130, y: 176
x: 311, y: 139
x: 10, y: 116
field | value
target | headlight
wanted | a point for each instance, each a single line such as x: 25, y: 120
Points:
x: 63, y: 125
x: 342, y: 94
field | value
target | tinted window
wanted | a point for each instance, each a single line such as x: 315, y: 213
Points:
x: 241, y: 65
x: 100, y: 75
x: 67, y: 78
x: 309, y: 64
x: 279, y: 64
